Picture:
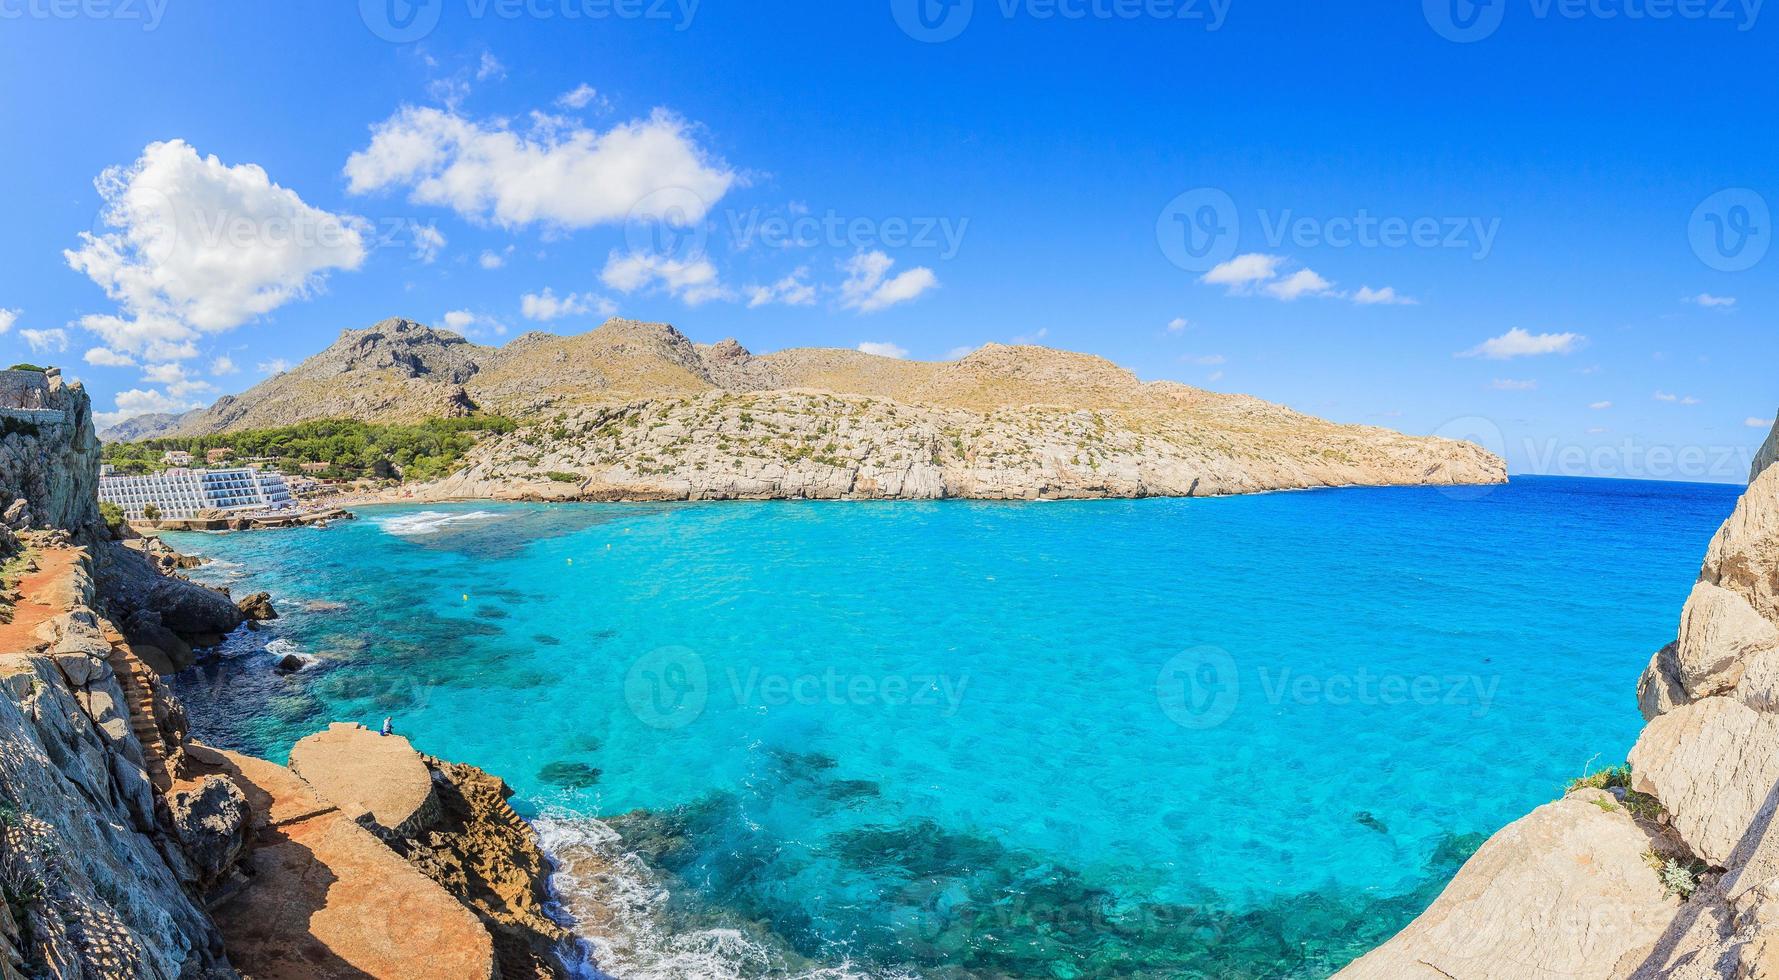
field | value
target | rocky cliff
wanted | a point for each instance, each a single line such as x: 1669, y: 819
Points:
x: 638, y: 410
x: 129, y: 851
x: 1669, y: 868
x: 49, y: 455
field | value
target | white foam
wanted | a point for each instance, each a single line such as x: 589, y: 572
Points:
x: 429, y: 522
x: 619, y: 906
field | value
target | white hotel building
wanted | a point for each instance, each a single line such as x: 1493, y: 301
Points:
x: 186, y: 493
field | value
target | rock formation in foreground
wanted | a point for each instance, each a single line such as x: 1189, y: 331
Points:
x: 128, y: 850
x: 636, y: 410
x: 1675, y: 875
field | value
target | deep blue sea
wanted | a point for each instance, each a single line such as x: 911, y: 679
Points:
x: 1236, y: 737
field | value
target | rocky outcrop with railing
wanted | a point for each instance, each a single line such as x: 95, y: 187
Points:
x: 49, y: 452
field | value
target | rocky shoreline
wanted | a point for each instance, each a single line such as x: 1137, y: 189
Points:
x: 130, y: 849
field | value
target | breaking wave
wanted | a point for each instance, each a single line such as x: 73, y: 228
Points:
x: 619, y: 907
x: 429, y: 522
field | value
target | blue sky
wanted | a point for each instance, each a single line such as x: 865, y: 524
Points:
x: 1567, y: 203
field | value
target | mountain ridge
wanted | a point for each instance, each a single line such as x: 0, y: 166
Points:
x: 1004, y: 421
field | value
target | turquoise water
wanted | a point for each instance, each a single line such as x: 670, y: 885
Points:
x: 1245, y: 737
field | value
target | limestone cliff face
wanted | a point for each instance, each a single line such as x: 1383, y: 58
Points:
x: 636, y: 409
x: 102, y: 874
x: 1574, y: 890
x: 49, y: 455
x: 820, y: 445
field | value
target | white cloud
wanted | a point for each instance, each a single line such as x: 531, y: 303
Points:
x: 957, y: 353
x: 883, y: 349
x: 221, y: 365
x: 7, y: 319
x: 867, y: 290
x: 1664, y: 396
x: 1367, y: 296
x: 1596, y: 430
x: 490, y: 68
x: 1519, y: 343
x: 1208, y: 360
x: 1303, y: 282
x: 201, y: 247
x: 493, y: 260
x: 1215, y: 376
x: 792, y: 290
x: 556, y: 174
x: 276, y: 365
x: 176, y: 380
x: 1600, y: 406
x: 428, y: 242
x: 1509, y: 384
x: 139, y: 401
x: 1244, y: 271
x: 1177, y: 324
x: 105, y: 357
x: 472, y: 324
x: 1711, y: 302
x: 1253, y: 272
x: 1033, y: 337
x: 547, y: 306
x: 579, y: 97
x: 693, y: 280
x: 1754, y: 423
x: 54, y: 340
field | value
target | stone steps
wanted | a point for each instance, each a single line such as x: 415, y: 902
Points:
x: 138, y: 684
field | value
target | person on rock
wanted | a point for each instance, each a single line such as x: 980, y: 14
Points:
x: 388, y: 729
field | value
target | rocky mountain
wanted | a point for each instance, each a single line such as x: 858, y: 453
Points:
x: 636, y: 409
x: 1669, y: 870
x: 144, y: 426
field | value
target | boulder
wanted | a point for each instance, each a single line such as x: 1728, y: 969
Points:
x: 1759, y: 686
x: 257, y: 607
x: 1744, y: 555
x: 159, y: 647
x: 1659, y: 689
x: 1563, y: 892
x: 1714, y: 767
x: 210, y: 820
x: 1719, y: 632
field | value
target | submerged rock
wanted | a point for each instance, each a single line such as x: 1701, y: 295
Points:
x: 569, y: 775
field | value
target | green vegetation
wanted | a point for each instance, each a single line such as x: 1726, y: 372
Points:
x: 1614, y: 777
x: 1678, y: 879
x: 1641, y: 805
x: 28, y: 367
x: 561, y: 477
x: 151, y: 512
x: 112, y: 515
x: 350, y: 448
